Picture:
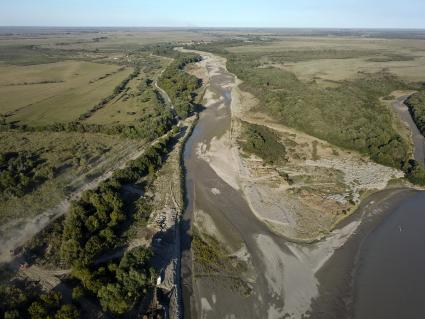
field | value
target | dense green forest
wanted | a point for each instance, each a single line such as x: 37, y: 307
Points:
x: 179, y: 85
x: 20, y: 173
x: 263, y: 142
x: 416, y: 104
x: 97, y: 223
x: 17, y: 303
x: 349, y: 115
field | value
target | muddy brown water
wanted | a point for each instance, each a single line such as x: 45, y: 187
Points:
x: 390, y: 277
x: 230, y: 213
x: 377, y: 273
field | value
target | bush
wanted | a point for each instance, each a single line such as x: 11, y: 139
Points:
x: 349, y: 115
x: 264, y: 143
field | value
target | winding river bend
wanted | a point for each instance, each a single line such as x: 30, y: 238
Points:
x: 328, y: 279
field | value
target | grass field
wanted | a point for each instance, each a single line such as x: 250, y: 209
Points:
x: 102, y: 39
x: 66, y: 158
x: 333, y: 59
x: 55, y: 92
x: 138, y: 100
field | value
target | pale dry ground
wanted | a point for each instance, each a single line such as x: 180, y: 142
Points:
x: 328, y: 71
x: 114, y: 39
x: 72, y: 89
x: 334, y: 43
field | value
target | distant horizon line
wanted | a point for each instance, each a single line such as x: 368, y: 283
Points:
x: 221, y: 27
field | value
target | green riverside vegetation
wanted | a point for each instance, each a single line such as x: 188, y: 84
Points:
x: 97, y: 223
x: 416, y: 104
x: 349, y: 114
x: 179, y: 85
x: 264, y: 143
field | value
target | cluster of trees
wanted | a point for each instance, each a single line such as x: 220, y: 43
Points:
x: 181, y: 86
x: 150, y: 127
x: 264, y: 143
x: 349, y: 115
x: 21, y: 172
x: 416, y: 104
x: 93, y: 222
x: 157, y: 120
x: 118, y: 90
x: 16, y: 303
x: 97, y: 222
x: 118, y: 285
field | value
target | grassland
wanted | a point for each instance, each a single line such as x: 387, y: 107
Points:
x: 55, y: 92
x: 66, y: 159
x: 138, y: 100
x: 340, y: 58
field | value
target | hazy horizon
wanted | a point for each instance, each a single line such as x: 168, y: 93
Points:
x: 328, y: 14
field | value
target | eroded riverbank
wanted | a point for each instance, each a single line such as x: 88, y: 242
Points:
x: 285, y: 279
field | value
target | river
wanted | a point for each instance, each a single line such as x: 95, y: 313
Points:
x: 321, y: 280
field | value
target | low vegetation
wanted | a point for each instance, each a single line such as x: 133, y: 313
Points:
x: 212, y: 259
x: 117, y: 90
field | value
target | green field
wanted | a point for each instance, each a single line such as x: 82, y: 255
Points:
x: 56, y: 92
x: 61, y: 159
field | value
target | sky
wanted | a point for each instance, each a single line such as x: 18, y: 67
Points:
x: 215, y: 13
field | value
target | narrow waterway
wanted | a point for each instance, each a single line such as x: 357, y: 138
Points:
x: 389, y: 278
x: 286, y: 280
x: 418, y: 139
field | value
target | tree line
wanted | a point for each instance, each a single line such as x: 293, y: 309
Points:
x: 349, y: 115
x: 180, y: 86
x: 97, y: 222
